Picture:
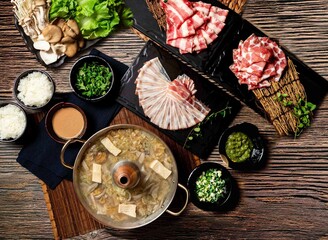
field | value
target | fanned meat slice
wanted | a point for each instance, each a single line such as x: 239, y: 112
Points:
x: 184, y: 87
x: 169, y: 105
x: 147, y: 77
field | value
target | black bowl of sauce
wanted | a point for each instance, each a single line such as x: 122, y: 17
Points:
x: 242, y: 147
x: 65, y: 121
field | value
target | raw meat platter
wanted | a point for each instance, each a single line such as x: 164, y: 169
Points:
x: 217, y: 58
x: 210, y: 95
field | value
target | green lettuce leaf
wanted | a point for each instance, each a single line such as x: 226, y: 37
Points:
x: 127, y: 17
x: 96, y: 18
x: 62, y: 9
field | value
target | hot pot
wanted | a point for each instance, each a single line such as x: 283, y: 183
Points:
x: 128, y: 176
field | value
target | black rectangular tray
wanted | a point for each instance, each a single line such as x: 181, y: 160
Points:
x: 315, y: 85
x: 207, y: 92
x: 145, y: 23
x: 29, y: 44
x: 215, y: 60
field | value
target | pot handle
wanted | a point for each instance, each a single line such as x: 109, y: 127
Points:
x: 62, y: 152
x: 184, y: 206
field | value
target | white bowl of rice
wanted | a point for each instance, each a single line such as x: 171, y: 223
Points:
x: 34, y: 89
x: 13, y: 122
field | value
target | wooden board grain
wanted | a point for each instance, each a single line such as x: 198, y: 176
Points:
x: 68, y: 216
x: 288, y: 199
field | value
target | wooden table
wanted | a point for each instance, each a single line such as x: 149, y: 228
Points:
x: 286, y: 199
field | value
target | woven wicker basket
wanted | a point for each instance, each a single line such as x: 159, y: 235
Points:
x: 282, y: 117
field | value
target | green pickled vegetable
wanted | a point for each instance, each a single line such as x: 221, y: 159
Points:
x: 93, y: 80
x: 210, y: 187
x: 302, y: 110
x: 238, y: 147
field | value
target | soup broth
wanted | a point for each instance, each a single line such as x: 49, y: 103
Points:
x: 148, y: 196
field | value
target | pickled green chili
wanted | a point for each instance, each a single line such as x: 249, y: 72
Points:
x: 238, y: 147
x: 210, y: 186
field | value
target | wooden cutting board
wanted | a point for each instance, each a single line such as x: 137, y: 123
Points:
x: 67, y: 215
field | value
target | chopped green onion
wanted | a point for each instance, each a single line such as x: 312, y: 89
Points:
x: 93, y: 80
x: 210, y: 186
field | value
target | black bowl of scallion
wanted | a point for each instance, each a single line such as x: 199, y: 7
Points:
x: 210, y: 186
x: 92, y: 78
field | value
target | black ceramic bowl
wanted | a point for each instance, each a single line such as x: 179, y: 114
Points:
x: 33, y: 91
x: 6, y: 123
x: 49, y: 121
x: 89, y: 59
x: 257, y: 154
x: 222, y: 201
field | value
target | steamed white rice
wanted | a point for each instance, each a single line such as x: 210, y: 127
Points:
x: 35, y: 89
x: 12, y: 122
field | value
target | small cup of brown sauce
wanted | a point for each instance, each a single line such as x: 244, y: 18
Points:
x: 65, y: 121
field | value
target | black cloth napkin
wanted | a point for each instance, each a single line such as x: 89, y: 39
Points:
x: 41, y: 155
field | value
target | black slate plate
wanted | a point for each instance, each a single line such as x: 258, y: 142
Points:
x: 315, y: 85
x: 145, y: 23
x: 29, y: 44
x: 215, y: 61
x: 207, y: 92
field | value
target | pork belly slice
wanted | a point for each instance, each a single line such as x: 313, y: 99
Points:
x: 168, y: 104
x: 188, y: 27
x: 177, y: 11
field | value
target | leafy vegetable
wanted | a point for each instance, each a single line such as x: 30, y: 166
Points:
x: 196, y: 132
x: 127, y: 17
x: 96, y: 18
x: 93, y: 80
x: 210, y: 187
x: 302, y: 110
x: 62, y: 9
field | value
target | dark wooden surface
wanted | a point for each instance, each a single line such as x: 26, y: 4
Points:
x: 288, y: 199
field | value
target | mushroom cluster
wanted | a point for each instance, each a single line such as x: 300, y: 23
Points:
x: 53, y: 39
x: 32, y: 15
x: 58, y: 38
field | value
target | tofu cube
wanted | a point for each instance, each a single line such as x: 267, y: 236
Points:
x: 96, y: 172
x: 128, y: 209
x: 160, y: 169
x: 110, y: 146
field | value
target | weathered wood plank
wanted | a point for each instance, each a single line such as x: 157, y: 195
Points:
x: 287, y: 199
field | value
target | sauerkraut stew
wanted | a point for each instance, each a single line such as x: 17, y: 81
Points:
x: 156, y: 167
